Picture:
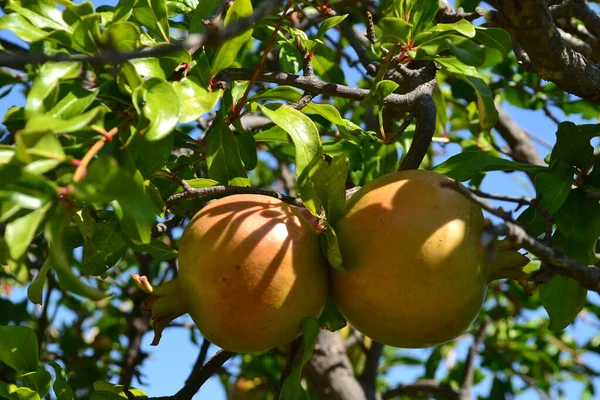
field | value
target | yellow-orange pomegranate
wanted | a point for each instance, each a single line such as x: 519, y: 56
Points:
x: 250, y: 270
x: 416, y: 273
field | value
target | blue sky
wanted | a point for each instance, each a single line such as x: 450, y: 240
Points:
x: 170, y: 363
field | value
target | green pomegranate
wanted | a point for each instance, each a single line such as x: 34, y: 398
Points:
x: 416, y: 272
x: 250, y: 270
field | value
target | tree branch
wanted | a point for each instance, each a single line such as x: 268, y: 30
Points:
x: 330, y: 372
x: 517, y: 139
x: 198, y: 193
x: 199, y: 376
x: 424, y: 388
x: 530, y: 23
x: 587, y: 275
x: 467, y: 384
x: 210, y: 38
x: 368, y: 378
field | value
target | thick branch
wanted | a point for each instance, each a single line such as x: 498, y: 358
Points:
x: 517, y: 139
x: 587, y: 275
x: 419, y: 100
x: 530, y: 23
x: 330, y: 372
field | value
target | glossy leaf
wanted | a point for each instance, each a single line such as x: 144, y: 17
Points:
x: 227, y: 51
x: 223, y: 155
x: 13, y: 392
x: 121, y: 36
x: 304, y: 134
x: 292, y: 389
x: 45, y: 84
x: 21, y: 27
x: 157, y: 249
x: 465, y: 166
x: 488, y: 115
x: 35, y: 289
x: 159, y: 104
x: 41, y: 13
x: 40, y: 381
x: 61, y: 387
x: 19, y: 348
x: 495, y: 38
x: 395, y: 30
x: 153, y: 15
x: 422, y: 13
x: 195, y: 99
x: 20, y: 232
x: 328, y: 24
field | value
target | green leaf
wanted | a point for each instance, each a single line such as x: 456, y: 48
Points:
x: 273, y: 134
x: 247, y: 146
x: 62, y: 390
x: 562, y: 297
x: 223, y: 155
x: 468, y: 52
x: 465, y: 166
x: 330, y: 248
x: 204, y: 10
x: 452, y: 65
x: 21, y: 27
x: 54, y: 233
x: 195, y: 99
x: 121, y: 36
x: 292, y: 389
x: 553, y: 187
x: 330, y: 183
x: 151, y: 156
x: 39, y: 380
x: 290, y: 59
x: 378, y: 92
x: 422, y: 13
x: 137, y: 231
x: 287, y: 93
x: 103, y: 390
x: 488, y: 114
x: 13, y: 392
x: 86, y: 34
x: 35, y: 289
x: 74, y: 100
x: 228, y: 51
x: 578, y: 219
x: 45, y: 84
x: 331, y: 318
x: 75, y: 125
x: 104, y: 249
x: 572, y: 146
x: 20, y: 232
x: 157, y: 249
x: 41, y: 13
x: 19, y: 348
x: 157, y: 101
x: 329, y: 23
x: 462, y: 26
x: 304, y: 134
x: 495, y: 38
x: 395, y: 30
x: 153, y: 15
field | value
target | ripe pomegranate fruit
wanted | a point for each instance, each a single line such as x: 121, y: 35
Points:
x: 416, y: 272
x: 250, y: 270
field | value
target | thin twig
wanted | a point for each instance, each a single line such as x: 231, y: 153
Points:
x: 199, y: 376
x: 198, y: 193
x: 467, y: 383
x: 81, y: 170
x: 240, y: 104
x: 292, y: 360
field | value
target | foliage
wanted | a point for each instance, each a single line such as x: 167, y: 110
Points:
x: 107, y: 158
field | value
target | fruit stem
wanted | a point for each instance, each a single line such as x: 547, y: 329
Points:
x: 509, y: 263
x: 165, y: 303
